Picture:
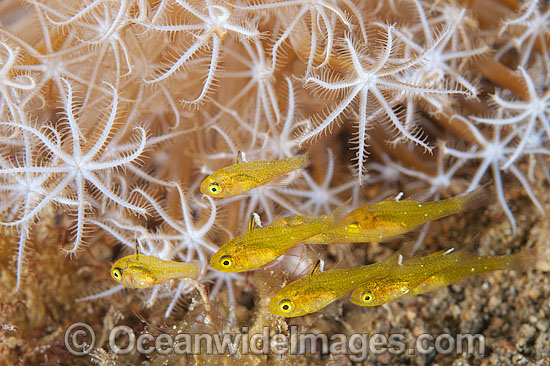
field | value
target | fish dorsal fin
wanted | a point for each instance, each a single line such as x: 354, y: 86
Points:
x: 449, y: 251
x: 254, y: 221
x: 318, y: 267
x: 396, y: 259
x: 391, y: 198
x: 422, y: 196
x: 439, y: 253
x: 341, y: 211
x: 473, y: 248
x: 399, y: 259
x: 137, y: 248
x: 241, y: 157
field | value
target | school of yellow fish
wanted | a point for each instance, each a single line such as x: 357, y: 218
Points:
x: 370, y: 285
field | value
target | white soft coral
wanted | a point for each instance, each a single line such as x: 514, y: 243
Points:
x: 375, y: 83
x: 522, y: 116
x: 492, y: 153
x: 66, y: 167
x: 209, y: 28
x: 530, y: 28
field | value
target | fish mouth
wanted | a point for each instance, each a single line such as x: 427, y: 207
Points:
x: 204, y: 184
x: 214, y: 262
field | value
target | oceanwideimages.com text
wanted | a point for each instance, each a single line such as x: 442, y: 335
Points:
x: 80, y: 339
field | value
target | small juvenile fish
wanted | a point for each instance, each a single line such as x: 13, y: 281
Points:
x: 405, y: 276
x: 244, y: 176
x: 388, y: 219
x: 140, y: 271
x: 259, y: 246
x: 425, y: 274
x: 476, y: 265
x: 317, y: 290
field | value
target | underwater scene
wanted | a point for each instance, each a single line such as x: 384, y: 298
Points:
x: 275, y: 182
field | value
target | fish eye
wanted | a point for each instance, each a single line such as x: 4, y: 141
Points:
x: 367, y: 297
x: 286, y: 306
x: 227, y: 261
x: 117, y: 274
x: 214, y: 188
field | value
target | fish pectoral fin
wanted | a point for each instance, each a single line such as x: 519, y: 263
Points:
x: 254, y: 221
x: 399, y: 292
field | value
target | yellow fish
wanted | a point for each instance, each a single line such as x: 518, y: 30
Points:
x: 259, y: 246
x: 425, y: 274
x: 140, y: 271
x: 388, y: 219
x: 475, y: 265
x: 244, y: 176
x: 319, y: 289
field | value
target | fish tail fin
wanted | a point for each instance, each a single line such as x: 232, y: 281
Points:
x: 542, y: 253
x: 524, y: 260
x: 481, y: 197
x: 304, y: 159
